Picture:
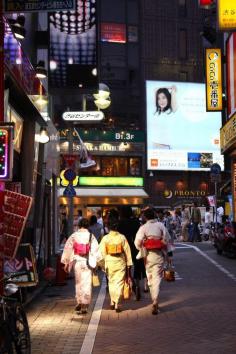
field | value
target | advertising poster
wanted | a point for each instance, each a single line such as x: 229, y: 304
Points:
x: 181, y: 134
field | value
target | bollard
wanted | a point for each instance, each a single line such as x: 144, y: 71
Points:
x: 60, y: 273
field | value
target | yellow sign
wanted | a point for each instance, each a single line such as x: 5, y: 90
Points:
x: 213, y: 79
x: 228, y: 134
x: 226, y: 14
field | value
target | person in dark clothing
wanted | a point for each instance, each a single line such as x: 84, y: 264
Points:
x: 63, y: 228
x: 128, y: 226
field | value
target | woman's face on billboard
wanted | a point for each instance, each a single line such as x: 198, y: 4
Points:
x: 162, y: 101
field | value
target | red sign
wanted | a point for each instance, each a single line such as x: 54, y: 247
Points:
x: 16, y: 208
x: 113, y: 32
x: 231, y: 74
x: 206, y: 4
x: 70, y: 160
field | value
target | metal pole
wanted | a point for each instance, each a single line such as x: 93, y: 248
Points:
x: 71, y: 201
x: 216, y: 204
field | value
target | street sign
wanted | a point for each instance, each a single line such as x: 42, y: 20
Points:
x: 69, y: 191
x: 38, y: 5
x: 215, y: 169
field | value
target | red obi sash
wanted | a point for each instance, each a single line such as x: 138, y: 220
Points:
x: 154, y: 243
x: 81, y: 249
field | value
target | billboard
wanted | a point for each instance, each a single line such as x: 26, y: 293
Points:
x: 181, y: 134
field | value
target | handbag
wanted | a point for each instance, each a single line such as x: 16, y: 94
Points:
x: 169, y: 273
x: 91, y: 261
x: 95, y: 279
x: 142, y: 253
x: 127, y: 290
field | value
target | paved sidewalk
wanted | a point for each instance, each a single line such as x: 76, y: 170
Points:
x: 198, y: 316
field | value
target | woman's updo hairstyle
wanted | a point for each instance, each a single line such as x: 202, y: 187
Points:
x: 113, y: 222
x: 84, y: 223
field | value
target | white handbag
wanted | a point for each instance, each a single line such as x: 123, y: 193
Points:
x: 142, y: 253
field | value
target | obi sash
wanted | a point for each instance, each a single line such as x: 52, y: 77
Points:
x: 114, y: 249
x: 154, y: 243
x: 81, y: 249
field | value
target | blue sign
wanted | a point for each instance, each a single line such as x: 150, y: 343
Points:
x: 69, y: 174
x: 69, y: 191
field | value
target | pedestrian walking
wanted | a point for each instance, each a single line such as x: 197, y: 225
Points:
x: 116, y: 252
x: 96, y: 228
x: 154, y: 236
x: 81, y: 251
x: 128, y: 226
x: 207, y: 223
x: 196, y: 220
x: 185, y: 220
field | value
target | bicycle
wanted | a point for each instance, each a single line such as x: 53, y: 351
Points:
x: 14, y: 328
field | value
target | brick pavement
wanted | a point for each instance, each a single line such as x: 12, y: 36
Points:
x: 198, y: 316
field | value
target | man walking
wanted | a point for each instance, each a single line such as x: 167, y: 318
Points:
x: 196, y: 220
x: 185, y: 220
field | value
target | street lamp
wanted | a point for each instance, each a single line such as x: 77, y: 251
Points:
x: 102, y: 98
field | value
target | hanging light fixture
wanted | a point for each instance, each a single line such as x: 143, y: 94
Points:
x: 43, y: 136
x: 41, y: 72
x: 102, y: 98
x: 17, y: 26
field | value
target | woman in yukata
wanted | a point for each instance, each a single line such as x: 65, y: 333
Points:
x: 118, y: 261
x: 80, y: 246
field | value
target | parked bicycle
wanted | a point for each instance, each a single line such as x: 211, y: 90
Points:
x: 14, y: 328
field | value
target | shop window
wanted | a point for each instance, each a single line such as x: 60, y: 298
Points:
x: 134, y: 167
x: 114, y: 166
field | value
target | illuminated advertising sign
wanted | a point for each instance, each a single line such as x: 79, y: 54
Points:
x: 113, y: 32
x: 228, y: 134
x: 6, y: 152
x: 206, y: 4
x: 38, y: 5
x: 226, y: 14
x: 213, y: 79
x: 111, y: 181
x: 181, y: 134
x: 231, y: 74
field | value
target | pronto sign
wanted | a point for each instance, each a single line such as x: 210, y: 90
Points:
x: 93, y: 116
x: 226, y: 14
x: 213, y: 79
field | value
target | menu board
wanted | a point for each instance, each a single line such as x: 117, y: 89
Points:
x: 16, y: 208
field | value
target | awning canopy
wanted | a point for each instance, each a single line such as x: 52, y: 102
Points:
x: 106, y: 196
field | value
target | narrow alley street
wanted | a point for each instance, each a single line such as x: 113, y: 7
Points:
x: 197, y: 314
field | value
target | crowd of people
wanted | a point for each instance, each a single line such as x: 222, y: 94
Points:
x: 129, y: 250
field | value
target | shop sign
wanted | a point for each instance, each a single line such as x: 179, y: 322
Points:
x: 16, y: 208
x: 38, y: 5
x: 226, y: 14
x: 213, y: 79
x: 168, y: 194
x: 134, y: 136
x: 228, y: 134
x: 90, y: 116
x: 113, y: 32
x: 23, y: 262
x: 234, y: 188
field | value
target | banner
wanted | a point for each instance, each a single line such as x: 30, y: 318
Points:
x: 38, y: 5
x: 213, y: 79
x: 231, y: 74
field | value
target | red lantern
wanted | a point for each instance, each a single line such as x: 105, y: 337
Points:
x: 206, y: 4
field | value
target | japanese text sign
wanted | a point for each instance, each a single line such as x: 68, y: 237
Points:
x: 213, y: 79
x: 226, y: 14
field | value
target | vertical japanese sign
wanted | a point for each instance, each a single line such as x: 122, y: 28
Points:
x: 234, y: 188
x: 6, y: 152
x: 226, y: 14
x: 231, y: 74
x: 16, y: 208
x: 213, y: 79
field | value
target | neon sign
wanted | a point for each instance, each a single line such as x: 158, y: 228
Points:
x: 6, y: 152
